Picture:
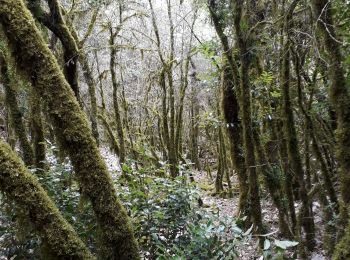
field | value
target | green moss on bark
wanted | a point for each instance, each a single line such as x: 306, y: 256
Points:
x: 306, y: 215
x: 339, y: 92
x: 230, y: 109
x: 342, y: 250
x: 72, y: 129
x: 23, y: 188
x: 16, y: 115
x: 55, y: 22
x: 38, y: 135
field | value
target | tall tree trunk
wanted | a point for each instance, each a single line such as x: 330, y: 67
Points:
x: 194, y: 132
x: 245, y: 105
x: 115, y: 85
x: 173, y: 153
x: 307, y: 221
x: 340, y: 100
x: 230, y: 106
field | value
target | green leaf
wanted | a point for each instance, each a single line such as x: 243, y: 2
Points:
x: 267, y: 244
x: 285, y: 244
x: 248, y: 231
x: 275, y: 94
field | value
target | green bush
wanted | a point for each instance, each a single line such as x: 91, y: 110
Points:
x: 169, y: 223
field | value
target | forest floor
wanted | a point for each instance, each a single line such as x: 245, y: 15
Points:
x: 228, y: 208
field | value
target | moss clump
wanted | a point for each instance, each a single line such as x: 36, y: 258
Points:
x: 71, y: 128
x: 23, y: 188
x: 342, y: 250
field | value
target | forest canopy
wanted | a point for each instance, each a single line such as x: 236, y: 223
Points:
x: 171, y: 129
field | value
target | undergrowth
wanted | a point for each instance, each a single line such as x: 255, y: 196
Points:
x: 167, y: 219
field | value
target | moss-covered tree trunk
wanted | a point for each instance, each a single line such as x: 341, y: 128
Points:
x: 116, y: 105
x: 56, y: 23
x: 193, y: 114
x: 16, y: 116
x: 311, y: 132
x: 273, y: 183
x: 230, y: 108
x: 307, y: 221
x: 72, y: 130
x: 220, y: 155
x: 21, y: 187
x: 38, y: 134
x: 340, y: 100
x: 287, y: 183
x: 90, y: 81
x: 173, y: 153
x: 339, y: 92
x: 194, y: 132
x: 244, y: 43
x: 72, y: 52
x: 342, y: 250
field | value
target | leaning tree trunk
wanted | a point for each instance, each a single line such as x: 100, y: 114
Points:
x: 55, y: 22
x: 20, y: 186
x: 15, y: 113
x: 90, y: 81
x: 273, y: 184
x: 72, y: 129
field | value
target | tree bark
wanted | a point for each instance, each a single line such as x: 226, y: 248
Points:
x: 307, y: 221
x: 16, y: 116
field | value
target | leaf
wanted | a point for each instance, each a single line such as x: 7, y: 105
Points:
x: 221, y: 228
x: 148, y: 180
x: 237, y: 230
x: 267, y: 244
x: 275, y: 94
x: 268, y: 234
x: 285, y: 244
x: 248, y: 231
